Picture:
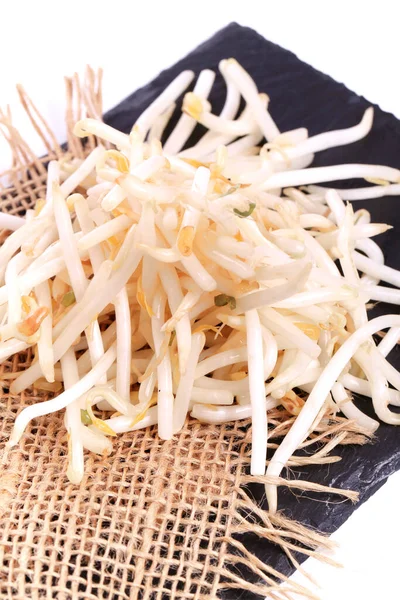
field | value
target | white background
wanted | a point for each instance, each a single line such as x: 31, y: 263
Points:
x: 355, y: 42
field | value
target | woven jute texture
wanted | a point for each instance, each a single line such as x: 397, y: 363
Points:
x: 155, y: 519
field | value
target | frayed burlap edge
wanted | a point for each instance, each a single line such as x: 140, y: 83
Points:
x: 156, y: 519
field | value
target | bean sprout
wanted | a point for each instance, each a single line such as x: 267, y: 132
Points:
x: 173, y: 282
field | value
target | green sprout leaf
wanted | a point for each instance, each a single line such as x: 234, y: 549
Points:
x: 245, y: 213
x: 173, y: 335
x: 68, y: 299
x: 85, y: 417
x: 231, y: 190
x: 224, y: 300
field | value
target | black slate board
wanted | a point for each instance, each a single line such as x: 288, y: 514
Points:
x: 303, y: 97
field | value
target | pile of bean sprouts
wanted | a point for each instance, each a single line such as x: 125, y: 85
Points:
x: 157, y: 282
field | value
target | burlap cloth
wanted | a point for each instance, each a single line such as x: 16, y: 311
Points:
x: 155, y: 519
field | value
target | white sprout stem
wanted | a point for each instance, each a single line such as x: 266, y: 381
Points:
x: 15, y: 265
x: 192, y: 215
x: 150, y: 167
x: 389, y: 341
x: 185, y: 387
x: 113, y: 198
x: 188, y: 302
x: 268, y: 297
x: 278, y: 324
x: 309, y: 205
x: 122, y: 424
x: 160, y: 123
x: 147, y: 234
x: 119, y: 404
x: 332, y: 139
x: 234, y: 266
x: 53, y: 176
x: 210, y: 141
x: 87, y: 225
x: 143, y: 171
x: 70, y: 374
x: 335, y: 173
x: 247, y: 142
x: 146, y: 388
x: 186, y: 124
x: 380, y: 272
x: 292, y: 247
x: 286, y: 270
x: 316, y: 220
x: 88, y: 126
x: 345, y: 247
x: 231, y: 246
x: 315, y: 314
x: 211, y: 383
x: 36, y: 247
x: 74, y: 267
x: 11, y: 222
x: 226, y: 127
x: 247, y: 88
x: 10, y: 347
x: 94, y: 441
x: 301, y: 427
x: 232, y: 99
x: 207, y: 396
x: 362, y: 217
x: 13, y: 290
x: 382, y: 294
x: 304, y: 299
x: 31, y: 229
x: 170, y: 283
x: 378, y: 372
x: 51, y: 262
x: 283, y: 381
x: 222, y: 359
x: 249, y: 229
x: 374, y: 191
x: 206, y: 146
x: 96, y: 256
x: 310, y: 376
x: 270, y: 352
x: 372, y: 251
x: 164, y: 255
x: 328, y: 240
x: 259, y: 431
x: 162, y: 102
x: 362, y: 387
x: 83, y: 171
x: 85, y: 316
x: 68, y: 244
x: 319, y: 254
x: 135, y: 187
x: 109, y: 335
x: 124, y: 339
x: 206, y: 301
x: 164, y: 373
x: 226, y: 414
x: 350, y: 410
x: 170, y: 218
x: 194, y: 268
x: 103, y: 232
x: 61, y: 401
x: 95, y: 286
x: 45, y: 342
